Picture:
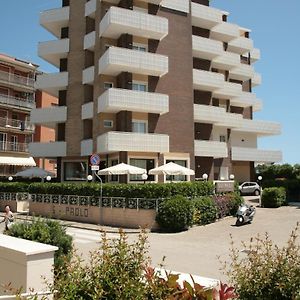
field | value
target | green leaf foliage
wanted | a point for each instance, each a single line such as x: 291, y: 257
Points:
x: 273, y: 197
x: 205, y: 211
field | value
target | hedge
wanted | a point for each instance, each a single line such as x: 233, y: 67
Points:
x: 273, y: 197
x: 205, y: 211
x: 292, y: 187
x: 13, y: 187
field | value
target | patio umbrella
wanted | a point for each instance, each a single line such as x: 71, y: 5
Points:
x: 171, y: 169
x: 34, y: 172
x: 122, y: 169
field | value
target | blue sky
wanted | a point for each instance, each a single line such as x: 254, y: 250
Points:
x: 275, y: 29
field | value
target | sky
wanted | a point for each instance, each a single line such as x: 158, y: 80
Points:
x: 275, y: 29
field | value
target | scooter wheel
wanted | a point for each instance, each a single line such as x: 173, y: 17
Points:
x: 239, y: 221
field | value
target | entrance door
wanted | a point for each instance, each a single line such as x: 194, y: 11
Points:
x: 3, y: 137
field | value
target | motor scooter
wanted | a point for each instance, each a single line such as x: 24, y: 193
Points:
x: 245, y: 214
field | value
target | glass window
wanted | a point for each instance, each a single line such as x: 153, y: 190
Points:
x: 139, y: 126
x: 108, y: 123
x: 108, y: 85
x: 182, y: 163
x: 75, y: 171
x: 139, y: 86
x: 223, y: 138
x: 147, y: 164
x: 140, y: 47
x: 114, y: 177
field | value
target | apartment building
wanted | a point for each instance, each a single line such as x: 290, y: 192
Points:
x: 146, y: 82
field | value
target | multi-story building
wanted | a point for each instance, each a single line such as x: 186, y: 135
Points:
x: 151, y: 81
x: 17, y: 98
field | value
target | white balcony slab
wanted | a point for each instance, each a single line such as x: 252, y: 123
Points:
x: 228, y: 91
x: 240, y: 45
x: 114, y: 141
x: 206, y: 48
x: 255, y: 55
x: 211, y: 149
x: 226, y: 61
x: 256, y: 80
x: 15, y: 102
x: 53, y: 51
x: 243, y: 72
x: 207, y: 81
x: 116, y: 60
x: 90, y: 8
x: 119, y: 20
x: 115, y: 100
x: 217, y: 116
x: 89, y: 41
x: 86, y: 147
x: 55, y: 19
x: 178, y: 5
x: 225, y: 32
x: 49, y: 116
x: 52, y: 82
x: 51, y: 149
x: 204, y: 16
x: 87, y: 111
x: 247, y: 99
x: 88, y: 75
x: 255, y: 155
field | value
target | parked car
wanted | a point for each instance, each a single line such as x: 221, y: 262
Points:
x: 249, y: 188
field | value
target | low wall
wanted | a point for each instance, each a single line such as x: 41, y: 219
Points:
x: 18, y: 202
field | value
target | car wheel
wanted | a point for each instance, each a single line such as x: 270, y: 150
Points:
x: 256, y: 192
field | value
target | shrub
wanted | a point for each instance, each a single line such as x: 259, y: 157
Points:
x: 273, y: 197
x: 227, y: 204
x: 267, y: 272
x: 13, y: 187
x: 175, y: 214
x: 205, y: 211
x: 47, y: 232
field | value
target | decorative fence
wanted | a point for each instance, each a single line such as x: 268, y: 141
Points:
x: 14, y: 196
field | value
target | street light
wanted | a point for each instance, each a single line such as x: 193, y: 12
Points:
x: 48, y: 178
x: 10, y: 178
x: 205, y: 176
x: 89, y: 178
x: 144, y: 177
x: 231, y: 177
x: 259, y: 178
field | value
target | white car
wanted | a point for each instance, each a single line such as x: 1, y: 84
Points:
x: 249, y: 188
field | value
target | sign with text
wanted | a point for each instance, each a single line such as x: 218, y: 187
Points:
x: 224, y: 186
x: 95, y: 168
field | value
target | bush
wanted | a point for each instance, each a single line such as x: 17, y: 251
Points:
x: 175, y: 214
x: 227, y: 204
x: 273, y: 197
x: 13, y: 187
x: 267, y: 272
x: 47, y: 232
x: 205, y: 211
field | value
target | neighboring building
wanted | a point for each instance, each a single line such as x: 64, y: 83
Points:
x: 17, y: 98
x: 151, y: 81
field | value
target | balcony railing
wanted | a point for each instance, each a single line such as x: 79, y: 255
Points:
x: 15, y: 101
x: 13, y: 147
x: 16, y: 124
x: 16, y: 79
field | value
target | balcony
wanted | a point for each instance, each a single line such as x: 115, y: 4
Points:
x: 90, y: 8
x: 228, y: 91
x: 86, y: 147
x: 255, y: 155
x: 16, y: 125
x: 247, y: 99
x: 205, y: 48
x: 217, y: 116
x: 119, y: 20
x: 51, y: 149
x: 116, y: 60
x: 254, y: 55
x: 114, y: 141
x: 11, y: 101
x: 207, y: 81
x: 89, y: 41
x: 261, y: 128
x: 88, y: 75
x: 256, y: 80
x: 17, y: 80
x: 53, y: 51
x: 87, y: 111
x: 242, y: 72
x: 225, y: 32
x: 49, y: 116
x: 211, y: 149
x: 205, y: 16
x: 115, y: 100
x: 52, y: 83
x: 55, y: 19
x: 13, y: 147
x: 241, y: 45
x: 226, y: 61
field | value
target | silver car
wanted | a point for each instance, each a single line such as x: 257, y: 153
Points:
x: 249, y: 188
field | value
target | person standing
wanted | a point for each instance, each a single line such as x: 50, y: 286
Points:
x: 8, y: 217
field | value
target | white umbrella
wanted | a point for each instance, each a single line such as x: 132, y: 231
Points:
x: 171, y: 169
x: 122, y: 169
x: 34, y: 172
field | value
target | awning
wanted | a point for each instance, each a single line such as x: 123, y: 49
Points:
x: 17, y: 161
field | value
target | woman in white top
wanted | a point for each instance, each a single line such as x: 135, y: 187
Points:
x: 8, y: 217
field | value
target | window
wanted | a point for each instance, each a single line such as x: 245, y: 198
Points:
x: 147, y: 164
x: 140, y: 47
x: 182, y: 163
x: 139, y: 86
x: 223, y: 138
x: 139, y: 126
x: 108, y: 85
x: 114, y: 178
x: 3, y: 138
x: 108, y: 123
x: 75, y: 171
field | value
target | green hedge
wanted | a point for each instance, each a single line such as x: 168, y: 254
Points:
x: 205, y: 211
x: 292, y: 187
x: 273, y: 197
x: 13, y: 187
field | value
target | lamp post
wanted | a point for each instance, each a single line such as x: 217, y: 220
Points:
x: 231, y: 177
x: 259, y: 178
x: 205, y: 176
x: 10, y: 178
x: 144, y: 177
x: 89, y: 178
x: 48, y: 178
